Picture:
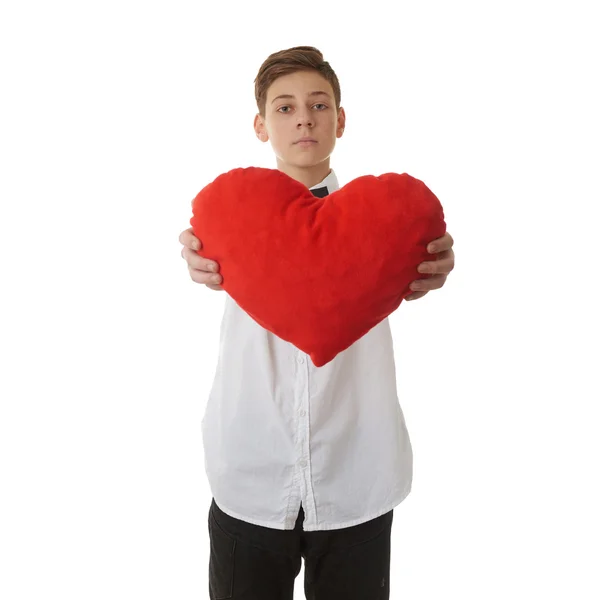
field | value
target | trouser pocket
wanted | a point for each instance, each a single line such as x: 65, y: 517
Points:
x: 222, y: 561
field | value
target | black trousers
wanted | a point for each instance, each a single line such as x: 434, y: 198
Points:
x: 251, y: 562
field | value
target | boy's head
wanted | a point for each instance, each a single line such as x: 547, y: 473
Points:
x: 295, y: 74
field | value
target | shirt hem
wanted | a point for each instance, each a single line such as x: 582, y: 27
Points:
x: 320, y: 527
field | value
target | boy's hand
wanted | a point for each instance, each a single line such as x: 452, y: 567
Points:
x: 201, y: 269
x: 440, y: 267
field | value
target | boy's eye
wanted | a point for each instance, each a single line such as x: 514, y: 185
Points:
x: 286, y: 106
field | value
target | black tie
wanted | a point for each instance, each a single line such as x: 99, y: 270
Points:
x: 320, y: 192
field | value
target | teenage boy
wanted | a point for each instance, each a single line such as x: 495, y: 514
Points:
x: 303, y: 462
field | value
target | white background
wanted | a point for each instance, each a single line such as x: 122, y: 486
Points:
x: 115, y: 114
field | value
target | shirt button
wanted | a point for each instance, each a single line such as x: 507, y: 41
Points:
x: 303, y: 463
x: 301, y: 360
x: 302, y: 413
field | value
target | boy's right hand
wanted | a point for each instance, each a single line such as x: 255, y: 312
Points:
x: 202, y: 270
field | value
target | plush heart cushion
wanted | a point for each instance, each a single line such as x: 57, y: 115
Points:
x: 317, y: 272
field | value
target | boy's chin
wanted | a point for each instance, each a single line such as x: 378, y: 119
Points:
x: 307, y: 159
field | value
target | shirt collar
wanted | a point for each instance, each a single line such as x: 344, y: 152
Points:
x: 330, y: 181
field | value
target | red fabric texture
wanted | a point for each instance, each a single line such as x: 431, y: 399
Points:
x: 317, y: 272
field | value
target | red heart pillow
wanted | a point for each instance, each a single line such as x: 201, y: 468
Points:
x: 317, y: 272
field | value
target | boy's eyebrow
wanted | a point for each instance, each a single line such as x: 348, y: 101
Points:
x: 290, y: 95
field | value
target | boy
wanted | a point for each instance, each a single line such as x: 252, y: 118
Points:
x: 303, y: 462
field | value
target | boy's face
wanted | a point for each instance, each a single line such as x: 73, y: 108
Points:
x: 299, y: 115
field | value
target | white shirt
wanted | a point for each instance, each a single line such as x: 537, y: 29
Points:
x: 279, y: 432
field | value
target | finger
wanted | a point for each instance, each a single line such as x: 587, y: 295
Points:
x: 216, y: 288
x: 440, y: 244
x: 195, y: 261
x: 443, y: 264
x: 189, y: 240
x: 205, y: 277
x: 431, y: 283
x: 415, y: 296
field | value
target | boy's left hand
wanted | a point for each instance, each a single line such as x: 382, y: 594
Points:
x: 439, y: 267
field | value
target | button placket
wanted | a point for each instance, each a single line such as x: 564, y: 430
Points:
x: 302, y: 377
x: 303, y: 434
x: 302, y: 438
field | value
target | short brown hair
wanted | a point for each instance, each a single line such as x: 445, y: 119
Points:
x: 299, y: 58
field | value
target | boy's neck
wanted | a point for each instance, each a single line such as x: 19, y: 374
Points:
x: 309, y: 176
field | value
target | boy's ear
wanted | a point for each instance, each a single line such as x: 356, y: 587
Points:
x: 257, y: 123
x: 341, y: 120
x: 259, y: 128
